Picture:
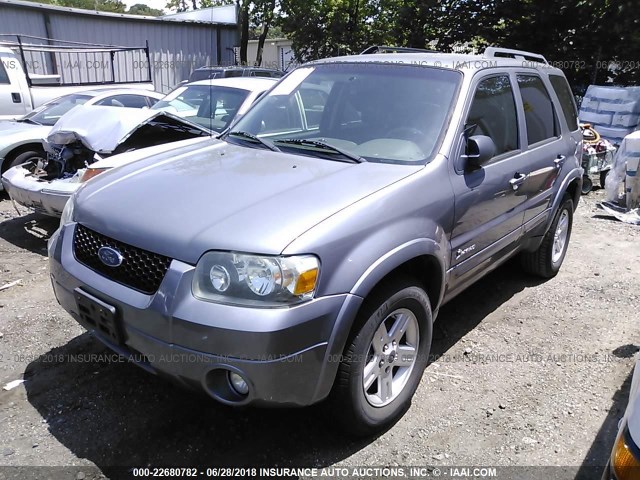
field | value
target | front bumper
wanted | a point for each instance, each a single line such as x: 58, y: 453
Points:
x: 44, y: 197
x: 286, y: 355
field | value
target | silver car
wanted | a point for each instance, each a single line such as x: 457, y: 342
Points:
x: 305, y: 253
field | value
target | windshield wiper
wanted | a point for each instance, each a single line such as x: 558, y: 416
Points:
x: 324, y: 146
x: 254, y: 138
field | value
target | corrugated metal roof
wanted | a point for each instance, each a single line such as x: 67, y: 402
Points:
x: 123, y: 16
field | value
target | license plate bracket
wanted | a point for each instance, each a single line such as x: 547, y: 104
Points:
x: 99, y: 315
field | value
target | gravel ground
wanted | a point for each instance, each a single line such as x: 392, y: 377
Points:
x: 525, y: 373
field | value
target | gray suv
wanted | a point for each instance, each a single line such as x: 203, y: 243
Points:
x: 304, y: 254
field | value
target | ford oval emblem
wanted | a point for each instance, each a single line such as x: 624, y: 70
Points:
x: 110, y: 256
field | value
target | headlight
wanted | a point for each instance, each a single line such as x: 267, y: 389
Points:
x: 625, y: 458
x: 67, y: 212
x: 256, y: 280
x: 89, y: 173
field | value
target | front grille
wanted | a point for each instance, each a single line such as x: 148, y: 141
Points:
x: 140, y: 269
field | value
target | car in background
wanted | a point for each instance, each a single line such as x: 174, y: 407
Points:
x: 21, y: 140
x: 80, y: 149
x: 208, y: 73
x: 213, y: 104
x: 624, y: 463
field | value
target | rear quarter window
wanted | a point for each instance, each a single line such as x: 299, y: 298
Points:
x: 567, y: 103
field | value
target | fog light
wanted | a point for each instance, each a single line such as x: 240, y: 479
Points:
x: 238, y: 383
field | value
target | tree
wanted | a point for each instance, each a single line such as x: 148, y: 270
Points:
x: 179, y: 6
x: 265, y: 17
x: 142, y: 9
x: 593, y: 41
x: 115, y: 6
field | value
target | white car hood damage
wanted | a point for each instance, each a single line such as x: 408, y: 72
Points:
x: 103, y: 129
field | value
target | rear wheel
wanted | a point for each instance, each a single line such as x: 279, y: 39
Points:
x: 587, y: 184
x: 547, y: 259
x: 385, y: 357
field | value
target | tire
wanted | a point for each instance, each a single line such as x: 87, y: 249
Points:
x: 361, y: 411
x: 33, y: 156
x: 546, y: 261
x: 587, y: 185
x: 603, y: 178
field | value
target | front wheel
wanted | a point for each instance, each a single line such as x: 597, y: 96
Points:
x: 33, y: 158
x: 546, y: 260
x: 385, y: 357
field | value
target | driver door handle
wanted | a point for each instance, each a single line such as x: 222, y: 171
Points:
x: 559, y: 161
x: 517, y: 180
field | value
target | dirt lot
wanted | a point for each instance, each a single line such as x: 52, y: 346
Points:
x: 528, y: 373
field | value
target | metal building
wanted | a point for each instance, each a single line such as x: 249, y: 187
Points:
x: 175, y: 47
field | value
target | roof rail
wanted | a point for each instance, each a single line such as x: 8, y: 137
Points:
x: 497, y: 52
x: 388, y: 49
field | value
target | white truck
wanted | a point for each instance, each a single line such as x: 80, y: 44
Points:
x: 34, y: 70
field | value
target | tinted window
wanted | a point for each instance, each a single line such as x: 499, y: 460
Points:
x: 151, y: 101
x: 206, y: 74
x: 493, y: 112
x: 4, y: 77
x: 538, y: 109
x: 567, y: 102
x: 129, y: 101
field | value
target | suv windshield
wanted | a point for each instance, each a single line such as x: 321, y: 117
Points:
x: 212, y: 107
x: 375, y: 112
x: 49, y: 113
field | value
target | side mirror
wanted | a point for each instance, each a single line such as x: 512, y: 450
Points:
x: 480, y: 149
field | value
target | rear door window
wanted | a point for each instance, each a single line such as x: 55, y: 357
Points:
x: 539, y: 114
x: 567, y: 101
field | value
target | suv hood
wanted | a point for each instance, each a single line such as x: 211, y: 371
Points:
x: 188, y: 200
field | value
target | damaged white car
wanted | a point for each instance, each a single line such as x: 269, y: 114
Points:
x: 103, y: 138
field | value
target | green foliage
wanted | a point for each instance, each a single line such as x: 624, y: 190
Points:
x: 142, y: 9
x: 593, y: 41
x: 115, y: 6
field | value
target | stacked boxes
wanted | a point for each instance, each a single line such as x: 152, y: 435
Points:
x: 613, y: 111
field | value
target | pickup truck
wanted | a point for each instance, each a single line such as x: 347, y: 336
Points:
x: 22, y: 90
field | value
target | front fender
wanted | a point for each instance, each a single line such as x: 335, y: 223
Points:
x: 377, y: 272
x: 399, y: 256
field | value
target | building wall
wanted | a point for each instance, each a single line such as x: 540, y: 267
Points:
x: 277, y: 53
x: 176, y: 48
